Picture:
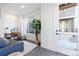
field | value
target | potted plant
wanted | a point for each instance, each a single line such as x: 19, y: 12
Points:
x: 36, y: 24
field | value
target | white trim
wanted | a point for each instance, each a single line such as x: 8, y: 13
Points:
x: 77, y: 17
x: 67, y: 17
x: 67, y: 33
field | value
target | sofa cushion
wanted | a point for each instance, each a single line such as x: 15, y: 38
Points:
x: 3, y: 42
x: 12, y: 42
x: 6, y: 41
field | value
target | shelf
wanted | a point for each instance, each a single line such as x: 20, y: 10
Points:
x: 67, y: 17
x: 67, y: 33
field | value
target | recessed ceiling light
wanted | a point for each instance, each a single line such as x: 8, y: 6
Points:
x: 22, y: 6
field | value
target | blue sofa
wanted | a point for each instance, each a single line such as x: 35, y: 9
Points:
x: 18, y: 46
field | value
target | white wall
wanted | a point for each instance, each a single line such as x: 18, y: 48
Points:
x: 1, y: 25
x: 29, y: 36
x: 49, y: 16
x: 20, y: 24
x: 8, y: 20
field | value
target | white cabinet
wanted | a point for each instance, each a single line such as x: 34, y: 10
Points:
x: 68, y: 39
x: 67, y: 12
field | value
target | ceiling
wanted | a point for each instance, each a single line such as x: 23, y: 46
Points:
x: 16, y: 7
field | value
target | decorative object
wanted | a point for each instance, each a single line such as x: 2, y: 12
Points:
x: 36, y: 24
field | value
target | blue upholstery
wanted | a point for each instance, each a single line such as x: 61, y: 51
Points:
x: 19, y: 46
x: 2, y: 43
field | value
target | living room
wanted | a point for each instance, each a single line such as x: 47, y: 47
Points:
x: 38, y: 29
x: 15, y: 22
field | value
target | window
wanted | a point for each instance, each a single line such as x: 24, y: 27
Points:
x: 30, y: 29
x: 66, y: 25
